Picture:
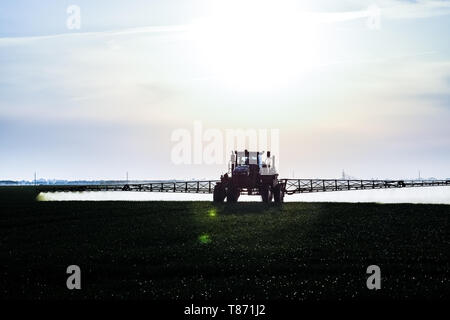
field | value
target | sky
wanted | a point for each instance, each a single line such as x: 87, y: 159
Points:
x: 361, y: 86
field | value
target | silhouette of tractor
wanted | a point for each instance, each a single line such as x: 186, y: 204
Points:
x: 249, y: 174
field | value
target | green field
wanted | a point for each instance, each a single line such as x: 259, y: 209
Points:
x: 198, y: 250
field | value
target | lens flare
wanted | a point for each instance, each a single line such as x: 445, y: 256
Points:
x: 212, y: 213
x: 204, y: 238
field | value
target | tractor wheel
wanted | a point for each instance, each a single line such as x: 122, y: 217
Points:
x: 233, y: 194
x: 219, y: 193
x: 278, y: 193
x: 266, y: 194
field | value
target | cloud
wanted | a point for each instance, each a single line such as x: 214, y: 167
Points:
x: 4, y: 41
x: 148, y: 75
x: 365, y: 9
x: 414, y: 9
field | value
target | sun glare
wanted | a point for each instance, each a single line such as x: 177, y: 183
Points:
x: 255, y: 44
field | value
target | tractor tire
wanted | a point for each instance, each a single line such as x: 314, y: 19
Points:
x: 219, y: 193
x: 233, y: 194
x: 266, y: 194
x: 278, y: 194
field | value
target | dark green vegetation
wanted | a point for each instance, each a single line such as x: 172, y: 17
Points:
x: 183, y: 250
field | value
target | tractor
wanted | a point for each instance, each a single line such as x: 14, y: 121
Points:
x: 249, y: 174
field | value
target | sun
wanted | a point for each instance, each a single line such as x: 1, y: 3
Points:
x: 256, y: 44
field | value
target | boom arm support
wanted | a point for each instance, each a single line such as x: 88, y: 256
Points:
x: 290, y: 186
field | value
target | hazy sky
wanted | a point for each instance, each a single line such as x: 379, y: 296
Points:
x: 368, y: 95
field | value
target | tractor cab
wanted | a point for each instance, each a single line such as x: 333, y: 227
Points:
x: 245, y: 164
x: 248, y: 162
